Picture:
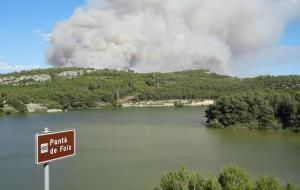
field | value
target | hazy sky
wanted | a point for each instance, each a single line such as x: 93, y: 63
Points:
x: 26, y: 26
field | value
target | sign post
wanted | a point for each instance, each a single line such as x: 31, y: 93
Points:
x: 52, y: 146
x: 46, y: 171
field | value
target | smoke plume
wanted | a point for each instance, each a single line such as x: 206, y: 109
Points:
x: 168, y: 35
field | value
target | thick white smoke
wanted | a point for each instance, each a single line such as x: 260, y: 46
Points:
x: 168, y: 35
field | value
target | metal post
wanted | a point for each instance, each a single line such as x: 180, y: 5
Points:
x: 46, y: 171
x: 46, y: 176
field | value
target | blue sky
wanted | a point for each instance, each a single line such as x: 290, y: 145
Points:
x: 292, y: 35
x: 25, y: 25
x: 20, y: 44
x: 282, y: 59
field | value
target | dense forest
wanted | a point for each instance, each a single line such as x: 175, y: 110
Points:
x: 108, y: 85
x: 267, y: 102
x: 256, y: 111
x: 231, y: 177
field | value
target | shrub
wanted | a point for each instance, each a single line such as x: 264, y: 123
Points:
x: 215, y: 124
x: 178, y: 104
x: 52, y: 104
x: 181, y: 180
x: 291, y: 186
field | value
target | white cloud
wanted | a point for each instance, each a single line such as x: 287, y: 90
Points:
x: 45, y: 37
x: 273, y: 61
x: 7, y: 68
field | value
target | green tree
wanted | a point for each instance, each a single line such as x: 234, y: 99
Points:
x: 233, y: 177
x: 266, y: 116
x: 183, y: 179
x: 286, y: 111
x: 211, y: 183
x: 267, y: 183
x: 1, y: 102
x: 291, y: 186
x: 17, y: 104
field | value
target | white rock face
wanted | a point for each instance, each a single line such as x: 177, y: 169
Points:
x: 29, y: 79
x: 70, y: 74
x: 168, y: 103
x: 33, y: 78
x: 73, y: 74
x: 8, y: 109
x: 54, y: 110
x: 31, y: 108
x: 202, y: 103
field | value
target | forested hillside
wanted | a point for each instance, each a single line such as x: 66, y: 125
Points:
x: 74, y: 88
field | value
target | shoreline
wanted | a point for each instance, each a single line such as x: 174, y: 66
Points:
x: 39, y: 108
x: 168, y: 103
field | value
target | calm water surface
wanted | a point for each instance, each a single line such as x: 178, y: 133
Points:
x: 131, y: 148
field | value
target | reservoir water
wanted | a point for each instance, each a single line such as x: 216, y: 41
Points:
x: 131, y: 148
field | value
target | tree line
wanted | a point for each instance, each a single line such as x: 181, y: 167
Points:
x: 231, y: 177
x: 256, y: 111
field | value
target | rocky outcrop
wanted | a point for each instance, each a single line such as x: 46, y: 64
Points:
x: 8, y: 109
x: 26, y: 79
x: 73, y: 74
x: 29, y: 79
x: 201, y: 103
x: 70, y: 74
x: 167, y: 103
x: 54, y: 110
x: 31, y: 108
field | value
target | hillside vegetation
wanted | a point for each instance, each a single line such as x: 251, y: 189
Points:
x: 75, y: 88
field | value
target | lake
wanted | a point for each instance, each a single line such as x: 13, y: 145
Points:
x: 130, y: 149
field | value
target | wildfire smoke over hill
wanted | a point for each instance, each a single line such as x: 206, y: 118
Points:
x: 169, y: 35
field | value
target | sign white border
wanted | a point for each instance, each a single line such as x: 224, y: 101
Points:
x: 49, y: 133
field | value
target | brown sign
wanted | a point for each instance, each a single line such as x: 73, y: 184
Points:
x: 52, y: 146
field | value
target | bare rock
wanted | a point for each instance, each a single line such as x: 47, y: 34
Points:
x: 36, y: 108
